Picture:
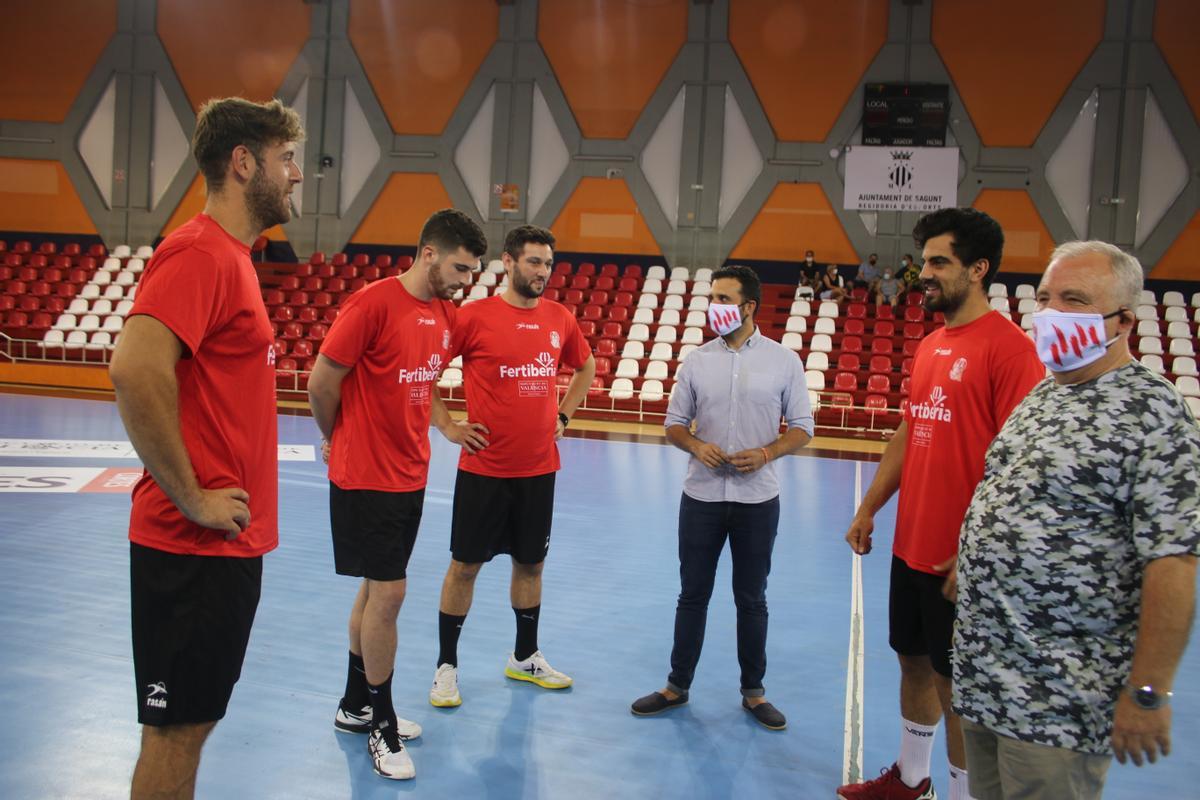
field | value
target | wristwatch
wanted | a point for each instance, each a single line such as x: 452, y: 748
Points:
x: 1147, y: 698
x: 564, y: 419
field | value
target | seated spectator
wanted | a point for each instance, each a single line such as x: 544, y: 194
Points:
x: 832, y: 286
x: 888, y: 289
x: 808, y: 269
x: 868, y: 274
x: 910, y: 274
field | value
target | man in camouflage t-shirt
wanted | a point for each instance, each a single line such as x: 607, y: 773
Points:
x: 1077, y: 563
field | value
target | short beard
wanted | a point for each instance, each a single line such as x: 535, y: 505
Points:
x: 264, y: 204
x: 525, y: 288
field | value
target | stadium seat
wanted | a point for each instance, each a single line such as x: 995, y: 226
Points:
x: 852, y: 344
x: 639, y: 333
x: 827, y: 309
x: 1179, y: 330
x: 1188, y: 386
x: 701, y: 304
x: 1154, y: 363
x: 661, y: 351
x: 621, y: 389
x: 696, y: 319
x: 666, y: 333
x: 797, y: 324
x: 1149, y: 344
x: 818, y: 361
x: 997, y: 290
x: 800, y: 308
x: 1175, y: 314
x: 821, y: 343
x: 652, y: 286
x: 854, y: 327
x: 685, y: 351
x: 1147, y: 312
x: 885, y: 327
x: 1181, y: 365
x: 694, y: 335
x: 648, y: 301
x: 824, y: 325
x: 1173, y: 299
x: 656, y: 371
x: 849, y: 362
x: 794, y: 341
x: 668, y: 316
x: 815, y: 380
x: 627, y: 368
x: 656, y: 272
x: 1025, y: 291
x: 999, y: 303
x: 1149, y: 298
x: 652, y: 391
x: 701, y: 289
x: 1182, y: 347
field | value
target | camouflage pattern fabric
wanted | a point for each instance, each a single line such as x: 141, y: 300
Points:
x: 1083, y: 486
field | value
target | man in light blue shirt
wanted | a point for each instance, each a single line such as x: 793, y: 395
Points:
x: 735, y: 388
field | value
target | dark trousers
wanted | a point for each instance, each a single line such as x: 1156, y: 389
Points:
x: 703, y: 529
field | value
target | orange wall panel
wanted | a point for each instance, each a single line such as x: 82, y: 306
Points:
x: 1027, y: 243
x: 795, y: 218
x: 601, y: 216
x: 610, y: 55
x: 420, y: 55
x: 75, y: 377
x: 221, y: 48
x: 1176, y: 24
x: 1013, y: 61
x: 401, y: 209
x: 37, y: 196
x: 806, y: 57
x: 50, y: 47
x: 1182, y: 261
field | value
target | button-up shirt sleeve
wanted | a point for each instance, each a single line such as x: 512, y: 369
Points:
x: 797, y: 410
x: 681, y: 410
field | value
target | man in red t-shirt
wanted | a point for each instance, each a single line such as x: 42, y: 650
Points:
x: 371, y: 395
x: 512, y: 345
x: 967, y: 378
x: 195, y: 383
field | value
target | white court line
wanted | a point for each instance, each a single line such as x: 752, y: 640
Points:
x: 852, y: 744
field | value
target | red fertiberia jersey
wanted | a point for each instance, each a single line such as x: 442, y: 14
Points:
x: 201, y: 284
x: 966, y: 380
x: 510, y: 361
x: 396, y: 345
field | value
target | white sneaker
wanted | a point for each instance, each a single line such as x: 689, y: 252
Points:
x: 444, y: 693
x: 535, y: 670
x: 360, y: 722
x: 388, y: 755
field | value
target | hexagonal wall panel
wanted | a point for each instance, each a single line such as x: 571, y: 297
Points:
x: 49, y: 48
x: 1027, y: 243
x: 601, y: 216
x: 1013, y: 68
x: 402, y: 207
x: 609, y: 56
x: 1179, y: 262
x: 1176, y: 23
x: 213, y: 57
x: 795, y: 218
x: 420, y: 55
x: 806, y: 57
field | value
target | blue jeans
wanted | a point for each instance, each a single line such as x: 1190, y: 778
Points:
x: 703, y: 528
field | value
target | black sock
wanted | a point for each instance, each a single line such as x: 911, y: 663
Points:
x: 381, y: 704
x: 527, y: 625
x: 449, y: 628
x: 356, y: 696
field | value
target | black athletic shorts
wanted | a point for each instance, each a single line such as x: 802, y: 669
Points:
x: 191, y: 622
x: 374, y: 532
x: 920, y: 620
x: 493, y: 516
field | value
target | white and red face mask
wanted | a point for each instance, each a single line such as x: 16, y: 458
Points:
x: 724, y: 319
x: 1068, y: 341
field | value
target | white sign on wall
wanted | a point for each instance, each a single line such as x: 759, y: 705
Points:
x: 901, y: 178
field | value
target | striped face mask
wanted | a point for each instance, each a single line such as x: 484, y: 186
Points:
x: 724, y: 319
x: 1068, y: 341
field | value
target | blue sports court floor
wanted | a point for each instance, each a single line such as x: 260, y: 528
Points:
x: 66, y: 678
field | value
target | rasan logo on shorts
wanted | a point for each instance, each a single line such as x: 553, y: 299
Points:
x: 934, y: 409
x: 541, y: 367
x: 423, y: 374
x: 156, y: 695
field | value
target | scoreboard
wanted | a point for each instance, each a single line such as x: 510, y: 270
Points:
x: 912, y: 114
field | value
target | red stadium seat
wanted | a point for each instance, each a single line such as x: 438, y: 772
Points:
x: 882, y: 345
x: 878, y: 383
x: 606, y: 348
x: 307, y: 314
x: 304, y: 270
x: 605, y: 283
x: 848, y: 362
x: 290, y: 283
x: 557, y: 281
x: 28, y: 302
x: 592, y: 312
x: 371, y: 273
x: 603, y: 366
x: 906, y: 367
x: 292, y: 330
x: 298, y: 298
x: 854, y: 327
x: 611, y: 330
x: 562, y: 268
x: 618, y: 313
x: 313, y: 284
x: 383, y: 260
x: 598, y: 297
x: 913, y: 330
x: 910, y: 347
x: 905, y: 384
x: 552, y: 294
x: 609, y: 271
x: 587, y: 327
x: 317, y: 258
x: 885, y: 327
x: 623, y: 299
x: 845, y: 382
x: 632, y: 271
x: 335, y: 285
x: 317, y: 331
x: 881, y: 365
x: 581, y: 282
x: 627, y: 284
x: 340, y: 260
x: 914, y: 314
x: 857, y: 310
x: 852, y: 344
x: 876, y: 402
x: 586, y: 268
x: 361, y: 260
x: 884, y: 312
x: 330, y: 315
x: 71, y: 249
x: 302, y: 348
x: 913, y: 298
x: 282, y: 314
x: 322, y: 299
x: 573, y: 296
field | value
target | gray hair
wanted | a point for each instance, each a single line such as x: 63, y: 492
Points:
x: 1126, y: 269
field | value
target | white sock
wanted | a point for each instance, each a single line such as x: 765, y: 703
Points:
x: 959, y: 788
x: 916, y: 750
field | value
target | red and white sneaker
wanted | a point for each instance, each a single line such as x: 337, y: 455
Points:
x: 888, y: 786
